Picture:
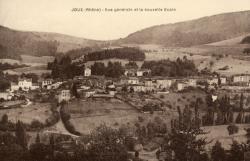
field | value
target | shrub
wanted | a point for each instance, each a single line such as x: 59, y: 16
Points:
x: 232, y: 129
x: 35, y: 124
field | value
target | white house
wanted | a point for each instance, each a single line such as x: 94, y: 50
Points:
x: 133, y: 80
x: 6, y: 95
x: 181, y: 86
x: 148, y: 83
x: 87, y: 72
x: 46, y: 83
x: 25, y: 84
x: 192, y: 82
x: 163, y: 83
x: 14, y: 86
x: 130, y: 72
x: 241, y: 78
x: 142, y: 72
x: 223, y: 80
x: 64, y: 95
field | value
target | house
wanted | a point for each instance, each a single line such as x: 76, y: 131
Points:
x: 87, y: 72
x: 148, y: 83
x: 111, y: 89
x: 132, y: 80
x: 164, y: 83
x: 223, y: 80
x: 214, y: 97
x: 34, y: 86
x: 137, y: 72
x: 14, y: 86
x: 136, y: 88
x: 64, y: 95
x: 6, y: 95
x: 55, y: 85
x: 88, y: 93
x: 241, y: 78
x: 181, y: 86
x: 46, y: 83
x: 213, y: 81
x: 143, y: 72
x: 192, y: 82
x: 130, y: 72
x: 24, y: 84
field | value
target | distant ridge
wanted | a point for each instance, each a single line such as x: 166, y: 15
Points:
x: 194, y: 32
x: 14, y: 43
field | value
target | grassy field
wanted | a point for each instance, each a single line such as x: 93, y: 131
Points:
x: 182, y: 99
x: 87, y: 115
x: 35, y: 60
x: 220, y: 133
x: 37, y: 111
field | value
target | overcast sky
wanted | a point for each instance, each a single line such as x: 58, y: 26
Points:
x: 56, y: 15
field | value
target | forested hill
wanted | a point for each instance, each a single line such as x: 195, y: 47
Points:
x: 14, y: 43
x: 195, y: 32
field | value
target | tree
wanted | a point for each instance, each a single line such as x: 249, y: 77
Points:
x: 37, y: 138
x: 246, y: 51
x: 98, y: 68
x: 209, y: 100
x: 218, y: 152
x: 5, y: 119
x: 107, y: 144
x: 21, y: 137
x: 74, y: 90
x: 114, y: 70
x: 12, y: 152
x: 131, y: 65
x: 241, y: 101
x: 232, y: 129
x: 236, y: 152
x: 39, y: 152
x: 183, y: 140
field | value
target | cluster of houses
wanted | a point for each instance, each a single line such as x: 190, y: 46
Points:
x: 134, y: 80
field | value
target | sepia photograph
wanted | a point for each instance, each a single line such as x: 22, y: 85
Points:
x: 116, y: 80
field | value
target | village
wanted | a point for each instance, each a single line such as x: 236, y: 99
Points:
x: 133, y: 80
x: 113, y: 81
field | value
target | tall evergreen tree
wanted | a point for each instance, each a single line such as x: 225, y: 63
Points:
x: 218, y: 152
x: 21, y: 136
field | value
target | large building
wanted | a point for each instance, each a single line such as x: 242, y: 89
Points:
x: 241, y: 78
x: 24, y: 84
x: 164, y: 83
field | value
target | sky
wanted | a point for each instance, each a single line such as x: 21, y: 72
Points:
x: 57, y: 15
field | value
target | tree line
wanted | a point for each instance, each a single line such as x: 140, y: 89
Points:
x: 112, y: 69
x: 64, y: 68
x: 132, y: 54
x: 180, y: 67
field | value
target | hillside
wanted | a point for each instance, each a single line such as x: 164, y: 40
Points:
x: 195, y: 32
x: 15, y: 43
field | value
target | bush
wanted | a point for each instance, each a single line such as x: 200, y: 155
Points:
x: 232, y: 129
x: 35, y: 124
